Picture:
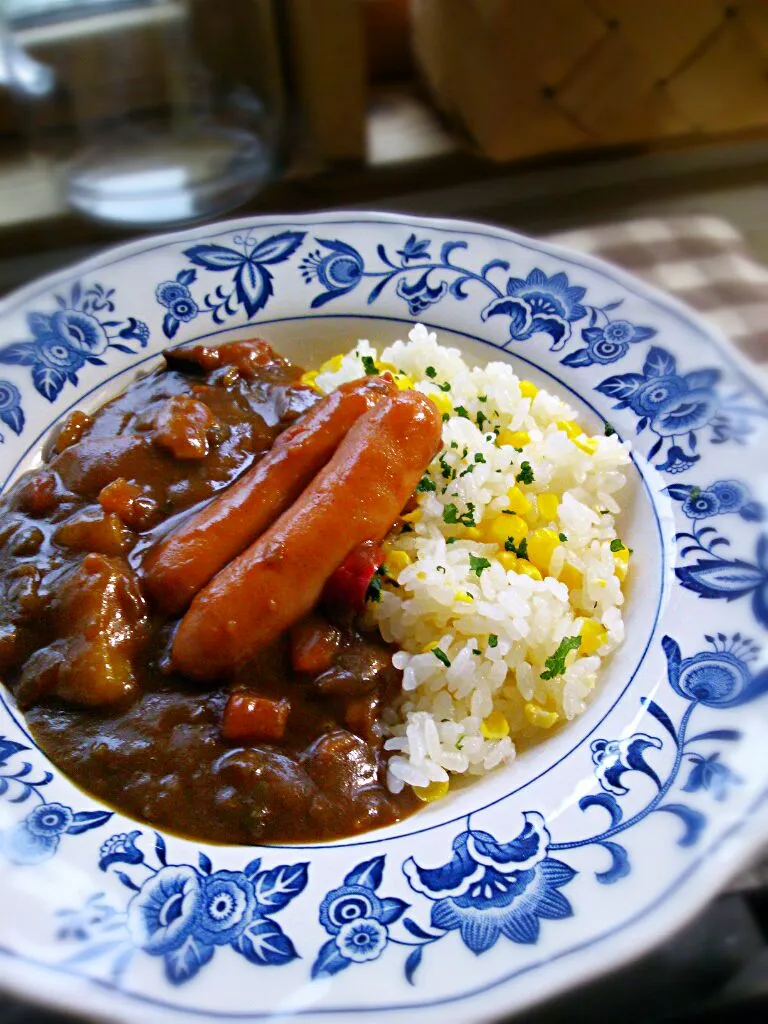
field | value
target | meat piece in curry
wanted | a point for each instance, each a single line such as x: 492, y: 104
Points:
x: 180, y: 583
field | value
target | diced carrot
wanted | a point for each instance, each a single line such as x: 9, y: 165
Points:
x: 89, y: 530
x: 72, y: 429
x: 181, y: 427
x: 37, y: 494
x: 248, y: 717
x: 127, y: 501
x: 314, y: 645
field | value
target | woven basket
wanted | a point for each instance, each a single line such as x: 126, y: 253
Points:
x: 527, y: 77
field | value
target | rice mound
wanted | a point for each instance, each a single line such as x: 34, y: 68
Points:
x: 475, y: 621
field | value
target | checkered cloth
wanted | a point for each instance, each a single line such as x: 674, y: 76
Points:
x: 703, y: 261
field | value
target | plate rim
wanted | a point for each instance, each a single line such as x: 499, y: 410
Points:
x: 743, y: 839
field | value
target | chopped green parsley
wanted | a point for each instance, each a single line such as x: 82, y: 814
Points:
x: 441, y: 656
x: 477, y: 565
x: 525, y: 476
x: 556, y: 663
x: 369, y: 365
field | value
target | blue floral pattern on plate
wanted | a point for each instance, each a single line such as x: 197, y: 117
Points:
x: 508, y: 888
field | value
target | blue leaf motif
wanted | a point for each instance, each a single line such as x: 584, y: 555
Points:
x: 170, y: 325
x: 186, y: 277
x: 392, y: 909
x: 205, y: 863
x: 160, y: 849
x: 702, y: 379
x: 718, y: 578
x: 693, y: 821
x: 716, y: 734
x: 369, y: 873
x: 253, y: 287
x: 183, y: 963
x: 252, y: 868
x: 265, y: 942
x: 412, y: 963
x: 580, y: 357
x: 661, y: 716
x: 605, y: 800
x: 621, y: 386
x: 214, y: 257
x: 83, y: 821
x: 658, y: 363
x: 415, y: 929
x: 8, y: 748
x: 276, y: 888
x: 277, y: 248
x: 678, y: 492
x: 13, y: 418
x: 329, y: 960
x: 127, y: 882
x: 23, y: 353
x: 48, y: 382
x: 619, y: 864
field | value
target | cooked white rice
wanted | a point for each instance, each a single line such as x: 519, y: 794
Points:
x: 474, y: 632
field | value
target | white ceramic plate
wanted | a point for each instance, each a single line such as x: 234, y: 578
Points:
x: 587, y: 850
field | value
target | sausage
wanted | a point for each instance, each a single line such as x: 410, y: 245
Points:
x: 177, y: 567
x: 280, y: 577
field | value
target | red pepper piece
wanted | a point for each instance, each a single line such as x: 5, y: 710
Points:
x: 347, y: 586
x: 248, y: 717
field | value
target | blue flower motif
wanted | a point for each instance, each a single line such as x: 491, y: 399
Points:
x: 539, y: 305
x: 348, y: 903
x: 338, y: 271
x: 420, y: 295
x: 607, y: 344
x: 677, y: 461
x: 362, y: 939
x: 120, y: 849
x: 165, y: 911
x: 701, y: 505
x: 49, y: 820
x: 708, y: 773
x: 80, y: 332
x: 227, y: 903
x: 488, y: 889
x: 720, y: 678
x: 11, y: 413
x: 612, y: 758
x: 21, y: 846
x: 168, y: 292
x: 184, y: 308
x: 414, y: 249
x: 58, y: 356
x: 731, y: 495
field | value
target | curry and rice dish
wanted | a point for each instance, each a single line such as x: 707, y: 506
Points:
x: 248, y: 603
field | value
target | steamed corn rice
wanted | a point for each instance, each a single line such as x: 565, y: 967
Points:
x: 504, y: 585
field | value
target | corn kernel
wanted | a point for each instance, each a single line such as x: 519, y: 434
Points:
x: 472, y: 533
x: 332, y: 365
x: 528, y: 389
x: 517, y: 438
x: 518, y: 501
x: 443, y: 402
x: 432, y: 791
x: 593, y: 636
x: 495, y: 726
x: 547, y: 505
x: 309, y: 378
x: 397, y: 561
x: 571, y: 577
x: 526, y: 569
x: 621, y: 563
x: 586, y: 444
x: 412, y: 517
x: 463, y: 597
x: 499, y: 529
x: 538, y: 717
x: 541, y: 546
x: 570, y: 427
x: 403, y: 382
x: 508, y: 560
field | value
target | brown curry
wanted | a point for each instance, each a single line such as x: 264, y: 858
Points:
x: 180, y: 589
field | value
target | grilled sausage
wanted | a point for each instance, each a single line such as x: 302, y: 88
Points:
x: 177, y: 567
x: 280, y: 577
